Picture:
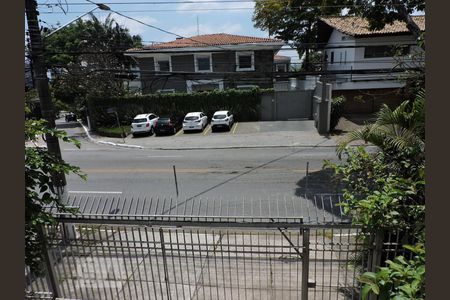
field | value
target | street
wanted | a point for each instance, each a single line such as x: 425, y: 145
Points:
x: 234, y: 176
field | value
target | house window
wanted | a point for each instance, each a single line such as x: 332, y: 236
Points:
x: 166, y: 91
x: 246, y: 86
x: 203, y: 63
x: 332, y: 57
x: 163, y: 64
x: 204, y: 85
x: 245, y: 61
x: 384, y: 51
x: 280, y: 67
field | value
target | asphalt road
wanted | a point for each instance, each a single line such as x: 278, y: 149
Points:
x: 234, y: 176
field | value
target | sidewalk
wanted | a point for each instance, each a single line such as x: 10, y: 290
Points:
x: 219, y: 141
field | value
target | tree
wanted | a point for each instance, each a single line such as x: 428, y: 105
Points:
x: 295, y: 20
x: 395, y: 131
x: 83, y: 58
x: 382, y: 12
x: 65, y: 46
x: 40, y: 193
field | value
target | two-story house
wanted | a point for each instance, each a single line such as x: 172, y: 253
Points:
x: 369, y: 60
x: 205, y: 62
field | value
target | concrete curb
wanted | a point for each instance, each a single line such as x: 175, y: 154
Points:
x: 105, y: 142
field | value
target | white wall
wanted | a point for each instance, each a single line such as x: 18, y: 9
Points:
x: 352, y: 58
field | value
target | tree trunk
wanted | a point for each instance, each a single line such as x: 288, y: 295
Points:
x: 410, y: 24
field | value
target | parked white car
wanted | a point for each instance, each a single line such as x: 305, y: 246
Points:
x: 144, y: 124
x: 222, y: 118
x: 195, y: 121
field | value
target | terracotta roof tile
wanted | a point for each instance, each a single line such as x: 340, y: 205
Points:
x: 208, y: 40
x: 357, y: 26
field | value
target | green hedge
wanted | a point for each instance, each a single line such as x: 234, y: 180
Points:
x: 244, y: 104
x: 337, y: 108
x: 115, y: 132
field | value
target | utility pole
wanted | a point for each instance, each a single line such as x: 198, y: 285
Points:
x: 41, y: 84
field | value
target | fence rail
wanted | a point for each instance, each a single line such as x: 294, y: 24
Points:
x: 134, y: 254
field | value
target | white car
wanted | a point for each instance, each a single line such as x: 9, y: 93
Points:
x: 222, y: 118
x: 195, y: 121
x: 144, y: 124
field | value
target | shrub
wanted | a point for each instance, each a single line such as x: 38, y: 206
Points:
x: 244, y: 104
x: 337, y: 105
x: 113, y: 131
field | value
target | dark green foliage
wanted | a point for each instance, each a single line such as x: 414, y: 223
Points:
x: 243, y: 103
x: 40, y: 190
x: 401, y: 279
x: 115, y: 132
x: 337, y: 107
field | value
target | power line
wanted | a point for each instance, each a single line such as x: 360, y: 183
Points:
x: 204, y: 2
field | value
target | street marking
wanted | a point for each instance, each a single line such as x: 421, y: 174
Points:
x: 179, y: 132
x: 164, y: 156
x: 94, y: 192
x: 147, y: 170
x: 207, y: 129
x: 235, y: 126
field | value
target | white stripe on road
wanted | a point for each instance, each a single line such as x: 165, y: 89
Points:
x: 164, y: 156
x: 94, y: 192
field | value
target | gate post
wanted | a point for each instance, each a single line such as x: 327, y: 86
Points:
x: 166, y: 272
x: 305, y: 263
x: 51, y: 276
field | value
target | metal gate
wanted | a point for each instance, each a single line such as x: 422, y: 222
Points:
x: 202, y: 256
x: 287, y: 105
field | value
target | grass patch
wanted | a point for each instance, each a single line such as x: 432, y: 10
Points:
x: 114, y: 131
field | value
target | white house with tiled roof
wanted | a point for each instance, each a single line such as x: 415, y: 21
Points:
x: 205, y: 62
x: 365, y: 57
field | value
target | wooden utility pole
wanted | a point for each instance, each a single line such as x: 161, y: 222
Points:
x: 41, y: 84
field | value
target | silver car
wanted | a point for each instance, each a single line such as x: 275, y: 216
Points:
x: 222, y: 119
x: 144, y: 124
x: 195, y: 121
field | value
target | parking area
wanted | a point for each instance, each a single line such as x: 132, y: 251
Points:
x: 239, y: 128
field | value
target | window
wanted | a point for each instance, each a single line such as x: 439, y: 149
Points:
x: 332, y: 57
x: 245, y: 61
x: 280, y: 67
x: 166, y: 91
x: 163, y: 65
x: 384, y: 51
x: 203, y: 63
x: 246, y: 86
x: 204, y: 85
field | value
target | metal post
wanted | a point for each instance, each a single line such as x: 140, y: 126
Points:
x: 120, y: 126
x: 41, y: 83
x: 176, y: 182
x: 166, y: 272
x: 306, y: 180
x: 305, y: 264
x: 49, y: 265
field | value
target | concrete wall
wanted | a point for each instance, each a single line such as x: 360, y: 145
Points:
x: 370, y: 101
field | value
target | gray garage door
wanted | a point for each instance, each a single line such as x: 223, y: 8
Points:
x: 286, y: 105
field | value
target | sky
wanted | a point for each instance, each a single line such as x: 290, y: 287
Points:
x: 214, y: 16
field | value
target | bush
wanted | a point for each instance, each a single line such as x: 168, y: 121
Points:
x: 244, y: 104
x: 337, y: 105
x: 115, y: 132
